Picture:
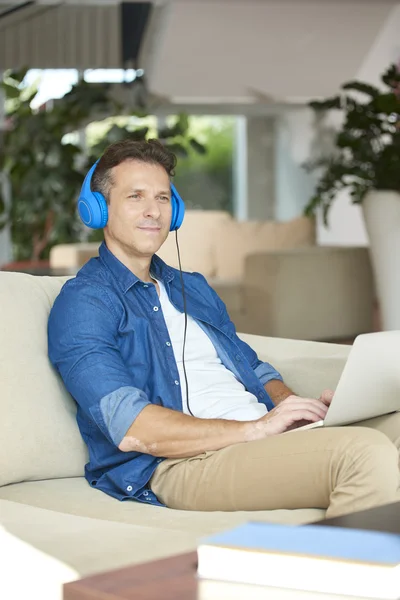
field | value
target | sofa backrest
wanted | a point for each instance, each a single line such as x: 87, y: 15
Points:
x: 197, y: 239
x: 38, y: 431
x: 215, y: 244
x: 238, y: 239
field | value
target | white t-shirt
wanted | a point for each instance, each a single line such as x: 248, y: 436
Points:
x: 214, y: 391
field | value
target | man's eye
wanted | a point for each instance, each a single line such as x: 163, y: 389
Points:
x: 135, y: 196
x: 164, y: 198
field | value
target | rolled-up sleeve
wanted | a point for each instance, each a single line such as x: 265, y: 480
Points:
x: 82, y: 330
x: 266, y: 372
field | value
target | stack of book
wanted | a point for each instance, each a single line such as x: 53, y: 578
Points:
x: 311, y: 558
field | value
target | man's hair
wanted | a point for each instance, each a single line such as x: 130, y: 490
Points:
x: 150, y: 152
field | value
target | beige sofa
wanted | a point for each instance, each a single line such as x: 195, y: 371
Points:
x: 272, y: 277
x: 51, y: 521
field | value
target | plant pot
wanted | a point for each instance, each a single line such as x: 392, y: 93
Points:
x: 382, y: 218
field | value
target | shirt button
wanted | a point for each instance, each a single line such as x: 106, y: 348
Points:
x: 129, y: 488
x: 168, y: 343
x: 237, y: 357
x: 159, y: 460
x: 145, y: 493
x: 145, y: 285
x: 176, y: 382
x: 155, y: 308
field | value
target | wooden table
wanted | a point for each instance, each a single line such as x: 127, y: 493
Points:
x: 175, y: 578
x: 167, y: 579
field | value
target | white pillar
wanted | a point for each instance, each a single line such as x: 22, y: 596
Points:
x: 296, y: 138
x: 261, y: 194
x: 5, y: 237
x: 240, y: 170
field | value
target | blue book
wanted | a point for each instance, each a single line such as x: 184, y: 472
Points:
x: 314, y: 558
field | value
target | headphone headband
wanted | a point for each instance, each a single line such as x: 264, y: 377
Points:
x: 87, y: 183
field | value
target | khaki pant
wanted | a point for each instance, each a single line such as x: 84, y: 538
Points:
x: 342, y: 469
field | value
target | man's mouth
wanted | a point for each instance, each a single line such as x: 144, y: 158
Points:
x: 150, y: 229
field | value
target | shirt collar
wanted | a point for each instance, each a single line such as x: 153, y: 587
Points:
x: 124, y: 277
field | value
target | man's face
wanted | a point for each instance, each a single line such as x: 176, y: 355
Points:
x: 139, y: 210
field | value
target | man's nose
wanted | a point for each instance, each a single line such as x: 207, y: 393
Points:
x: 152, y: 208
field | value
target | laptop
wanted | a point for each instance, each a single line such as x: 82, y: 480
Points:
x: 370, y: 383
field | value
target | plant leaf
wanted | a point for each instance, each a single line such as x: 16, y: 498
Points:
x: 335, y: 102
x: 387, y: 103
x: 200, y: 148
x: 18, y: 75
x: 391, y: 76
x: 177, y: 149
x: 10, y: 91
x: 359, y: 86
x: 180, y: 128
x: 139, y: 134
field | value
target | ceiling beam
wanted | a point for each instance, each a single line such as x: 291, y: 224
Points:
x: 8, y: 11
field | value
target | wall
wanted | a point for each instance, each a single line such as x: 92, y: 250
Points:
x: 294, y: 140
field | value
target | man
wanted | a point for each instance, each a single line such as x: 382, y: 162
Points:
x: 116, y: 336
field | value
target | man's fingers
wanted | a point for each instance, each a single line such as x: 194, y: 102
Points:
x: 327, y: 396
x: 318, y: 410
x: 307, y: 415
x: 297, y: 403
x: 300, y: 417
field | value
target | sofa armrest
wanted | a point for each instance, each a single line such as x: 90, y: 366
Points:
x: 71, y: 257
x: 307, y: 367
x: 315, y: 293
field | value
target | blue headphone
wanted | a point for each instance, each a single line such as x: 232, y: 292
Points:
x: 93, y: 210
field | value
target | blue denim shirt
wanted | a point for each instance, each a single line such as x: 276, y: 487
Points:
x: 108, y: 340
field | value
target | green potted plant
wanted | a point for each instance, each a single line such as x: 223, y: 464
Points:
x: 42, y: 168
x: 366, y: 161
x: 45, y: 172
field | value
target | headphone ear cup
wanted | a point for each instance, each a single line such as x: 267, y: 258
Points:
x: 93, y: 210
x: 178, y: 209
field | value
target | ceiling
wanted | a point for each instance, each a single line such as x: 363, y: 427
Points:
x: 201, y: 51
x: 15, y: 3
x: 270, y: 51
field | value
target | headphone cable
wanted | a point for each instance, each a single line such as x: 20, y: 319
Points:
x: 184, y: 334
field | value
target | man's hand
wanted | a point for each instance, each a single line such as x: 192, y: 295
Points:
x: 293, y: 410
x: 326, y: 397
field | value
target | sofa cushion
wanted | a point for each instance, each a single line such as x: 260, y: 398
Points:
x: 74, y: 496
x: 84, y: 545
x: 57, y: 546
x: 38, y: 431
x: 197, y: 238
x: 238, y: 239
